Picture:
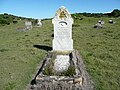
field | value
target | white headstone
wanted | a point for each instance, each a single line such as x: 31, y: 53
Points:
x: 62, y: 30
x: 39, y: 22
x: 28, y: 25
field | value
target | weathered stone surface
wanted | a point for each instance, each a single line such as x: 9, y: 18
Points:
x: 61, y: 63
x: 78, y: 80
x: 98, y: 25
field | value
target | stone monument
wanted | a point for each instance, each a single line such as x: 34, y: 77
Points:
x: 62, y: 41
x: 62, y: 68
x: 28, y: 25
x: 62, y: 30
x: 39, y: 23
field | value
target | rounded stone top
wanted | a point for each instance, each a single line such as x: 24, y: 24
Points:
x: 63, y: 7
x: 62, y: 13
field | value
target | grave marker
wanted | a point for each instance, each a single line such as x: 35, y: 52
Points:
x: 39, y: 22
x: 28, y: 25
x: 62, y: 30
x: 62, y: 71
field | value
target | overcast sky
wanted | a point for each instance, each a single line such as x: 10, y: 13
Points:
x: 47, y: 8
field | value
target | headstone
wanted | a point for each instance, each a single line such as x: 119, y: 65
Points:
x: 101, y: 22
x: 111, y: 21
x: 98, y: 25
x: 28, y: 25
x: 62, y: 30
x: 39, y: 22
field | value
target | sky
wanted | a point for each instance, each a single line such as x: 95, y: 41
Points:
x: 40, y: 9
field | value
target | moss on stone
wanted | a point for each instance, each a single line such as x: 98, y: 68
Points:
x: 66, y: 52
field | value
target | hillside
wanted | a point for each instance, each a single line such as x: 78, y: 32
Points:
x: 100, y: 49
x: 7, y: 19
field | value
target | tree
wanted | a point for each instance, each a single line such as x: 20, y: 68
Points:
x: 5, y: 14
x: 115, y: 13
x: 15, y: 22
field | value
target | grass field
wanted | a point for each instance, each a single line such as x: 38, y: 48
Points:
x: 100, y: 49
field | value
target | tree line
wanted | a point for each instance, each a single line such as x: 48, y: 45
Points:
x: 6, y: 19
x: 114, y: 13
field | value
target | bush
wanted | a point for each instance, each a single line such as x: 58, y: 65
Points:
x: 4, y: 21
x: 15, y: 22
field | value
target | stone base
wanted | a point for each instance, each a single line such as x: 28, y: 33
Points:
x: 58, y: 83
x: 79, y: 80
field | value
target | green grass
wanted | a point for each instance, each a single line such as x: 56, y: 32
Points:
x: 18, y: 57
x: 100, y: 49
